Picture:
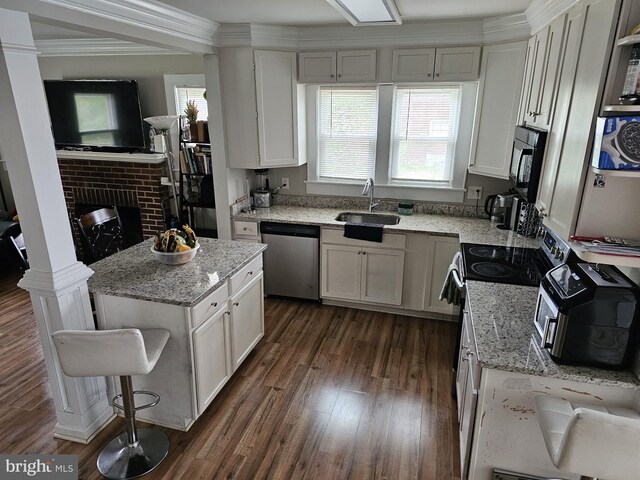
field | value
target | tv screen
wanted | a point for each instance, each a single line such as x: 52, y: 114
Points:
x: 102, y: 114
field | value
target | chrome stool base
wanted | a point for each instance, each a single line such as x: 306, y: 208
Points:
x: 118, y: 460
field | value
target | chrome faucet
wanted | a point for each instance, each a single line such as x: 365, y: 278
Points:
x: 368, y: 190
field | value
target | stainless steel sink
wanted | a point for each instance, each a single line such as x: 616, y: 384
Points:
x: 376, y: 218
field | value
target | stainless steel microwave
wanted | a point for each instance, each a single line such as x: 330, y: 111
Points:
x: 526, y: 161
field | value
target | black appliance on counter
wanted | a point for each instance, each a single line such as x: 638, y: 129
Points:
x: 526, y: 161
x: 587, y: 314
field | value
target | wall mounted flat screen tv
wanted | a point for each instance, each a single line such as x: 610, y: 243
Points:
x: 99, y: 114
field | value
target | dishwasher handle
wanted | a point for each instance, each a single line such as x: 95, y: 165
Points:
x: 290, y: 229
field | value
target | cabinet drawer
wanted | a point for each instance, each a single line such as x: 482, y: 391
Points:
x: 245, y: 228
x: 247, y: 272
x: 389, y: 240
x: 203, y: 310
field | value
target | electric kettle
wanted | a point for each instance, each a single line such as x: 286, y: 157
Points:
x: 493, y: 208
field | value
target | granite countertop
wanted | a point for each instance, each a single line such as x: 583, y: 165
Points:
x: 469, y: 229
x: 136, y: 273
x: 506, y: 339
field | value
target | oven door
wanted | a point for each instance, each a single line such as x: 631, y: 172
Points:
x: 521, y: 162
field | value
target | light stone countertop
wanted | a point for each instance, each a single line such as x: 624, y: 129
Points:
x: 136, y: 273
x: 470, y: 230
x: 506, y: 339
x: 501, y: 314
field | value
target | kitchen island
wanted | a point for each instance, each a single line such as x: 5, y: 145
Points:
x: 212, y: 306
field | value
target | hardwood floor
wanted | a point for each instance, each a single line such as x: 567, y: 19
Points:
x: 329, y: 393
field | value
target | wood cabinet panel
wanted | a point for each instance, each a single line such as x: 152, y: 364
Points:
x: 317, y: 67
x: 382, y: 276
x: 356, y: 65
x: 340, y: 272
x: 457, y: 63
x: 413, y: 64
x: 246, y: 320
x: 440, y: 252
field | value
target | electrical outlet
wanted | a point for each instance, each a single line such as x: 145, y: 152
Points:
x: 474, y: 193
x: 285, y: 183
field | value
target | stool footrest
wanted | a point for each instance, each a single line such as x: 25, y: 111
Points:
x: 141, y: 407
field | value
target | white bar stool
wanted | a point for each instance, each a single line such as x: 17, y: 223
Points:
x: 122, y: 353
x: 591, y: 441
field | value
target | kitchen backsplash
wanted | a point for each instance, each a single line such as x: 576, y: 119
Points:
x: 318, y: 201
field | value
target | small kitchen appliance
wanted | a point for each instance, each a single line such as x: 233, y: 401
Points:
x: 262, y: 194
x: 505, y: 203
x: 587, y: 314
x: 492, y: 208
x: 526, y: 161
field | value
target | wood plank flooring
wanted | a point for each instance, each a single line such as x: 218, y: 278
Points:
x: 329, y: 393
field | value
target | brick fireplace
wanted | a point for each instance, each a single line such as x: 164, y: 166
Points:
x: 113, y: 180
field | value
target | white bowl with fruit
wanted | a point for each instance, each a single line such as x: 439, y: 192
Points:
x: 176, y: 246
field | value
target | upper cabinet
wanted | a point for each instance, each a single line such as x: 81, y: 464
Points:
x: 264, y: 109
x: 497, y: 109
x: 341, y: 66
x: 439, y: 64
x: 541, y: 73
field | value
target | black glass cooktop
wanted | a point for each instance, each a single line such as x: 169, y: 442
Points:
x: 515, y: 265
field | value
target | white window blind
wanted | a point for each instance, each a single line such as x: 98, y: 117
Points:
x: 185, y: 94
x: 424, y: 131
x: 347, y: 133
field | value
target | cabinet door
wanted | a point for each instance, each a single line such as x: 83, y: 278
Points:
x: 211, y: 368
x: 317, y: 67
x: 467, y: 392
x: 356, y: 65
x: 527, y: 81
x: 277, y: 105
x: 548, y: 89
x: 539, y: 54
x: 413, y: 64
x: 497, y: 109
x: 457, y: 63
x: 382, y: 275
x: 246, y: 320
x: 440, y: 252
x: 340, y: 272
x: 579, y: 95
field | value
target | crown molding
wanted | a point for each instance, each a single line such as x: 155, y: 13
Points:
x: 256, y: 35
x: 147, y: 21
x: 463, y: 32
x: 509, y: 27
x: 542, y: 12
x: 97, y: 47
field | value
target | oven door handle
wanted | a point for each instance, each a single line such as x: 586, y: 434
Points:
x: 546, y: 341
x: 456, y: 278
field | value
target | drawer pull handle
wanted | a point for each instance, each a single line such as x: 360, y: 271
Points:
x: 235, y: 304
x: 250, y: 273
x: 214, y: 304
x: 245, y: 229
x: 364, y: 253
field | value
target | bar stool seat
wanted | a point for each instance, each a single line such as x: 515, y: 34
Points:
x: 122, y: 353
x: 591, y: 441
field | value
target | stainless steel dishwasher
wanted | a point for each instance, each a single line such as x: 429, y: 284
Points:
x: 291, y: 262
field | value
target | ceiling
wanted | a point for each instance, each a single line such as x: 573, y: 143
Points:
x: 319, y: 12
x: 305, y: 13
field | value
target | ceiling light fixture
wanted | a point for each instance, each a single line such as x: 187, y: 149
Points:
x: 368, y: 12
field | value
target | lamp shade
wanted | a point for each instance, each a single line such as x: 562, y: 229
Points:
x: 162, y: 122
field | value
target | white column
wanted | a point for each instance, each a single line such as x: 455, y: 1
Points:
x: 56, y: 281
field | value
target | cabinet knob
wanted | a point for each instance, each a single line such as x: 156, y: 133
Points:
x: 235, y: 304
x: 339, y: 75
x: 437, y: 74
x: 428, y: 75
x: 331, y: 76
x: 250, y: 273
x: 364, y: 253
x: 214, y: 304
x: 227, y: 312
x: 245, y: 229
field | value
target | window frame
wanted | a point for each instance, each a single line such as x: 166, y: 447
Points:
x: 453, y: 192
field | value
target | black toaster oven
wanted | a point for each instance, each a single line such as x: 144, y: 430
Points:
x: 588, y: 314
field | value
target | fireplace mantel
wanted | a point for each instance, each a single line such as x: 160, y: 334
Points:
x: 110, y: 156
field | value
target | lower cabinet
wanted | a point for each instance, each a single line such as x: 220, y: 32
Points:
x: 363, y: 274
x: 440, y: 252
x: 212, y: 370
x: 246, y: 319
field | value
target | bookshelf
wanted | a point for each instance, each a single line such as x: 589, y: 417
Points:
x: 196, y: 183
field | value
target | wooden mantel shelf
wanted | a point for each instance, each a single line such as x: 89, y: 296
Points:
x: 111, y: 156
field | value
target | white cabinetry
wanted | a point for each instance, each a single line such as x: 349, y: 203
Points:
x: 264, y: 109
x: 212, y: 369
x: 586, y: 50
x: 543, y: 58
x: 467, y: 383
x: 497, y: 109
x: 246, y: 319
x: 247, y: 231
x: 440, y: 252
x: 357, y: 271
x: 441, y: 64
x: 341, y: 66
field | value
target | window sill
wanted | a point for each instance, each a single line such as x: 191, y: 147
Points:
x: 392, y: 191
